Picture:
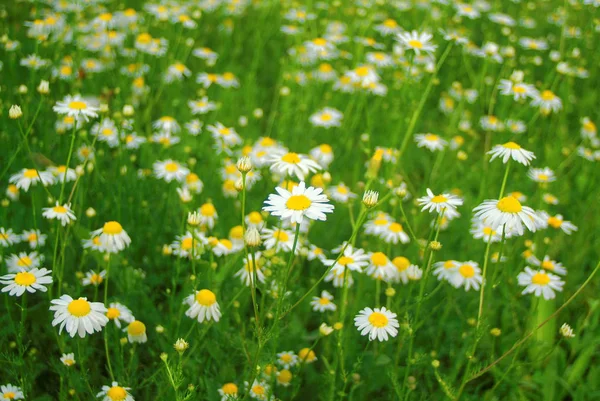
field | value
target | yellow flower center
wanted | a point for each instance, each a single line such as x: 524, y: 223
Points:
x: 136, y: 328
x: 112, y: 228
x: 547, y: 95
x: 60, y: 209
x: 379, y: 259
x: 396, y: 227
x: 79, y: 307
x: 401, y: 263
x: 362, y: 71
x: 186, y: 244
x: 25, y: 278
x: 467, y: 271
x: 543, y: 177
x: 439, y: 199
x: 207, y: 209
x: 285, y: 376
x: 206, y: 297
x: 298, y: 202
x: 326, y: 117
x: 415, y: 44
x: 488, y: 231
x: 32, y: 237
x: 555, y: 222
x: 105, y: 17
x: 390, y: 23
x: 320, y: 42
x: 116, y: 393
x: 281, y: 236
x: 519, y: 89
x: 431, y: 137
x: 378, y: 319
x: 77, y: 105
x: 229, y: 388
x: 548, y: 265
x: 171, y: 167
x: 509, y: 204
x: 10, y: 395
x: 113, y: 313
x: 345, y: 260
x: 540, y: 279
x: 448, y: 264
x: 291, y: 157
x: 511, y: 145
x: 30, y: 173
x: 323, y: 301
x: 258, y: 390
x: 96, y: 279
x: 25, y: 261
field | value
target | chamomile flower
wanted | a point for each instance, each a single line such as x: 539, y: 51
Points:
x: 299, y: 203
x: 63, y: 173
x: 170, y: 170
x: 540, y: 283
x: 292, y: 164
x: 77, y: 107
x: 208, y: 215
x: 558, y: 222
x: 35, y: 238
x: 378, y: 323
x: 62, y: 213
x: 323, y: 303
x: 550, y: 265
x: 403, y: 268
x: 446, y: 270
x: 119, y: 314
x: 29, y: 176
x: 547, y: 101
x: 352, y: 259
x: 541, y: 175
x: 8, y: 237
x: 247, y: 273
x: 438, y: 203
x: 327, y: 118
x: 176, y: 72
x: 93, y: 278
x: 258, y: 390
x: 136, y: 332
x: 10, y: 392
x: 418, y: 42
x: 511, y: 150
x: 113, y: 237
x: 380, y: 267
x: 68, y: 359
x: 430, y: 141
x: 31, y: 281
x: 224, y: 135
x: 507, y: 211
x: 378, y: 224
x: 228, y: 392
x: 278, y: 239
x: 167, y: 124
x: 287, y: 359
x: 114, y: 392
x: 201, y: 106
x: 341, y: 193
x: 468, y: 275
x: 518, y: 90
x: 482, y: 231
x: 78, y: 316
x: 322, y: 154
x: 23, y: 261
x: 394, y: 233
x: 203, y: 306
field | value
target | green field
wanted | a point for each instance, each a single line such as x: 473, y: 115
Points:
x: 287, y: 200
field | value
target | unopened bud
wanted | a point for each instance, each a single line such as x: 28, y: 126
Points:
x: 15, y: 112
x: 370, y: 198
x: 244, y: 164
x: 252, y: 237
x: 44, y: 87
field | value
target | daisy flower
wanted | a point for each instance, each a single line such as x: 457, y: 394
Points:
x: 201, y: 106
x: 114, y: 392
x: 438, y: 203
x: 352, y: 259
x: 378, y: 224
x: 300, y: 202
x: 327, y: 118
x: 228, y: 392
x: 341, y: 193
x: 322, y: 154
x: 246, y: 273
x: 430, y: 141
x: 29, y: 176
x: 170, y: 170
x: 176, y: 72
x: 10, y: 392
x: 63, y: 173
x: 547, y: 101
x: 480, y: 230
x: 68, y: 359
x: 78, y: 315
x: 278, y: 239
x: 394, y: 233
x: 541, y: 175
x: 339, y: 277
x: 30, y: 281
x: 203, y: 306
x: 207, y: 215
x: 106, y: 131
x: 518, y: 90
x: 380, y: 267
x: 558, y: 222
x: 8, y: 237
x: 119, y: 313
x: 540, y: 283
x: 284, y: 377
x: 468, y: 275
x: 323, y: 303
x: 93, y: 278
x: 76, y: 107
x: 404, y: 269
x: 378, y: 323
x: 507, y: 211
x: 511, y: 150
x: 446, y: 270
x: 23, y: 261
x: 287, y: 359
x: 258, y: 390
x: 136, y: 332
x: 112, y: 237
x: 418, y: 42
x: 167, y: 124
x: 292, y: 164
x: 34, y: 237
x: 62, y: 213
x: 550, y: 265
x: 224, y: 135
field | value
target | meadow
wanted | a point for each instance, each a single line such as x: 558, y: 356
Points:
x: 299, y: 200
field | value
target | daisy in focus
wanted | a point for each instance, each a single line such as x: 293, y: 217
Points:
x: 203, y: 306
x: 30, y: 281
x: 378, y: 323
x: 78, y: 316
x: 508, y: 212
x: 511, y: 150
x: 540, y: 283
x: 112, y: 237
x: 114, y: 392
x: 300, y: 202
